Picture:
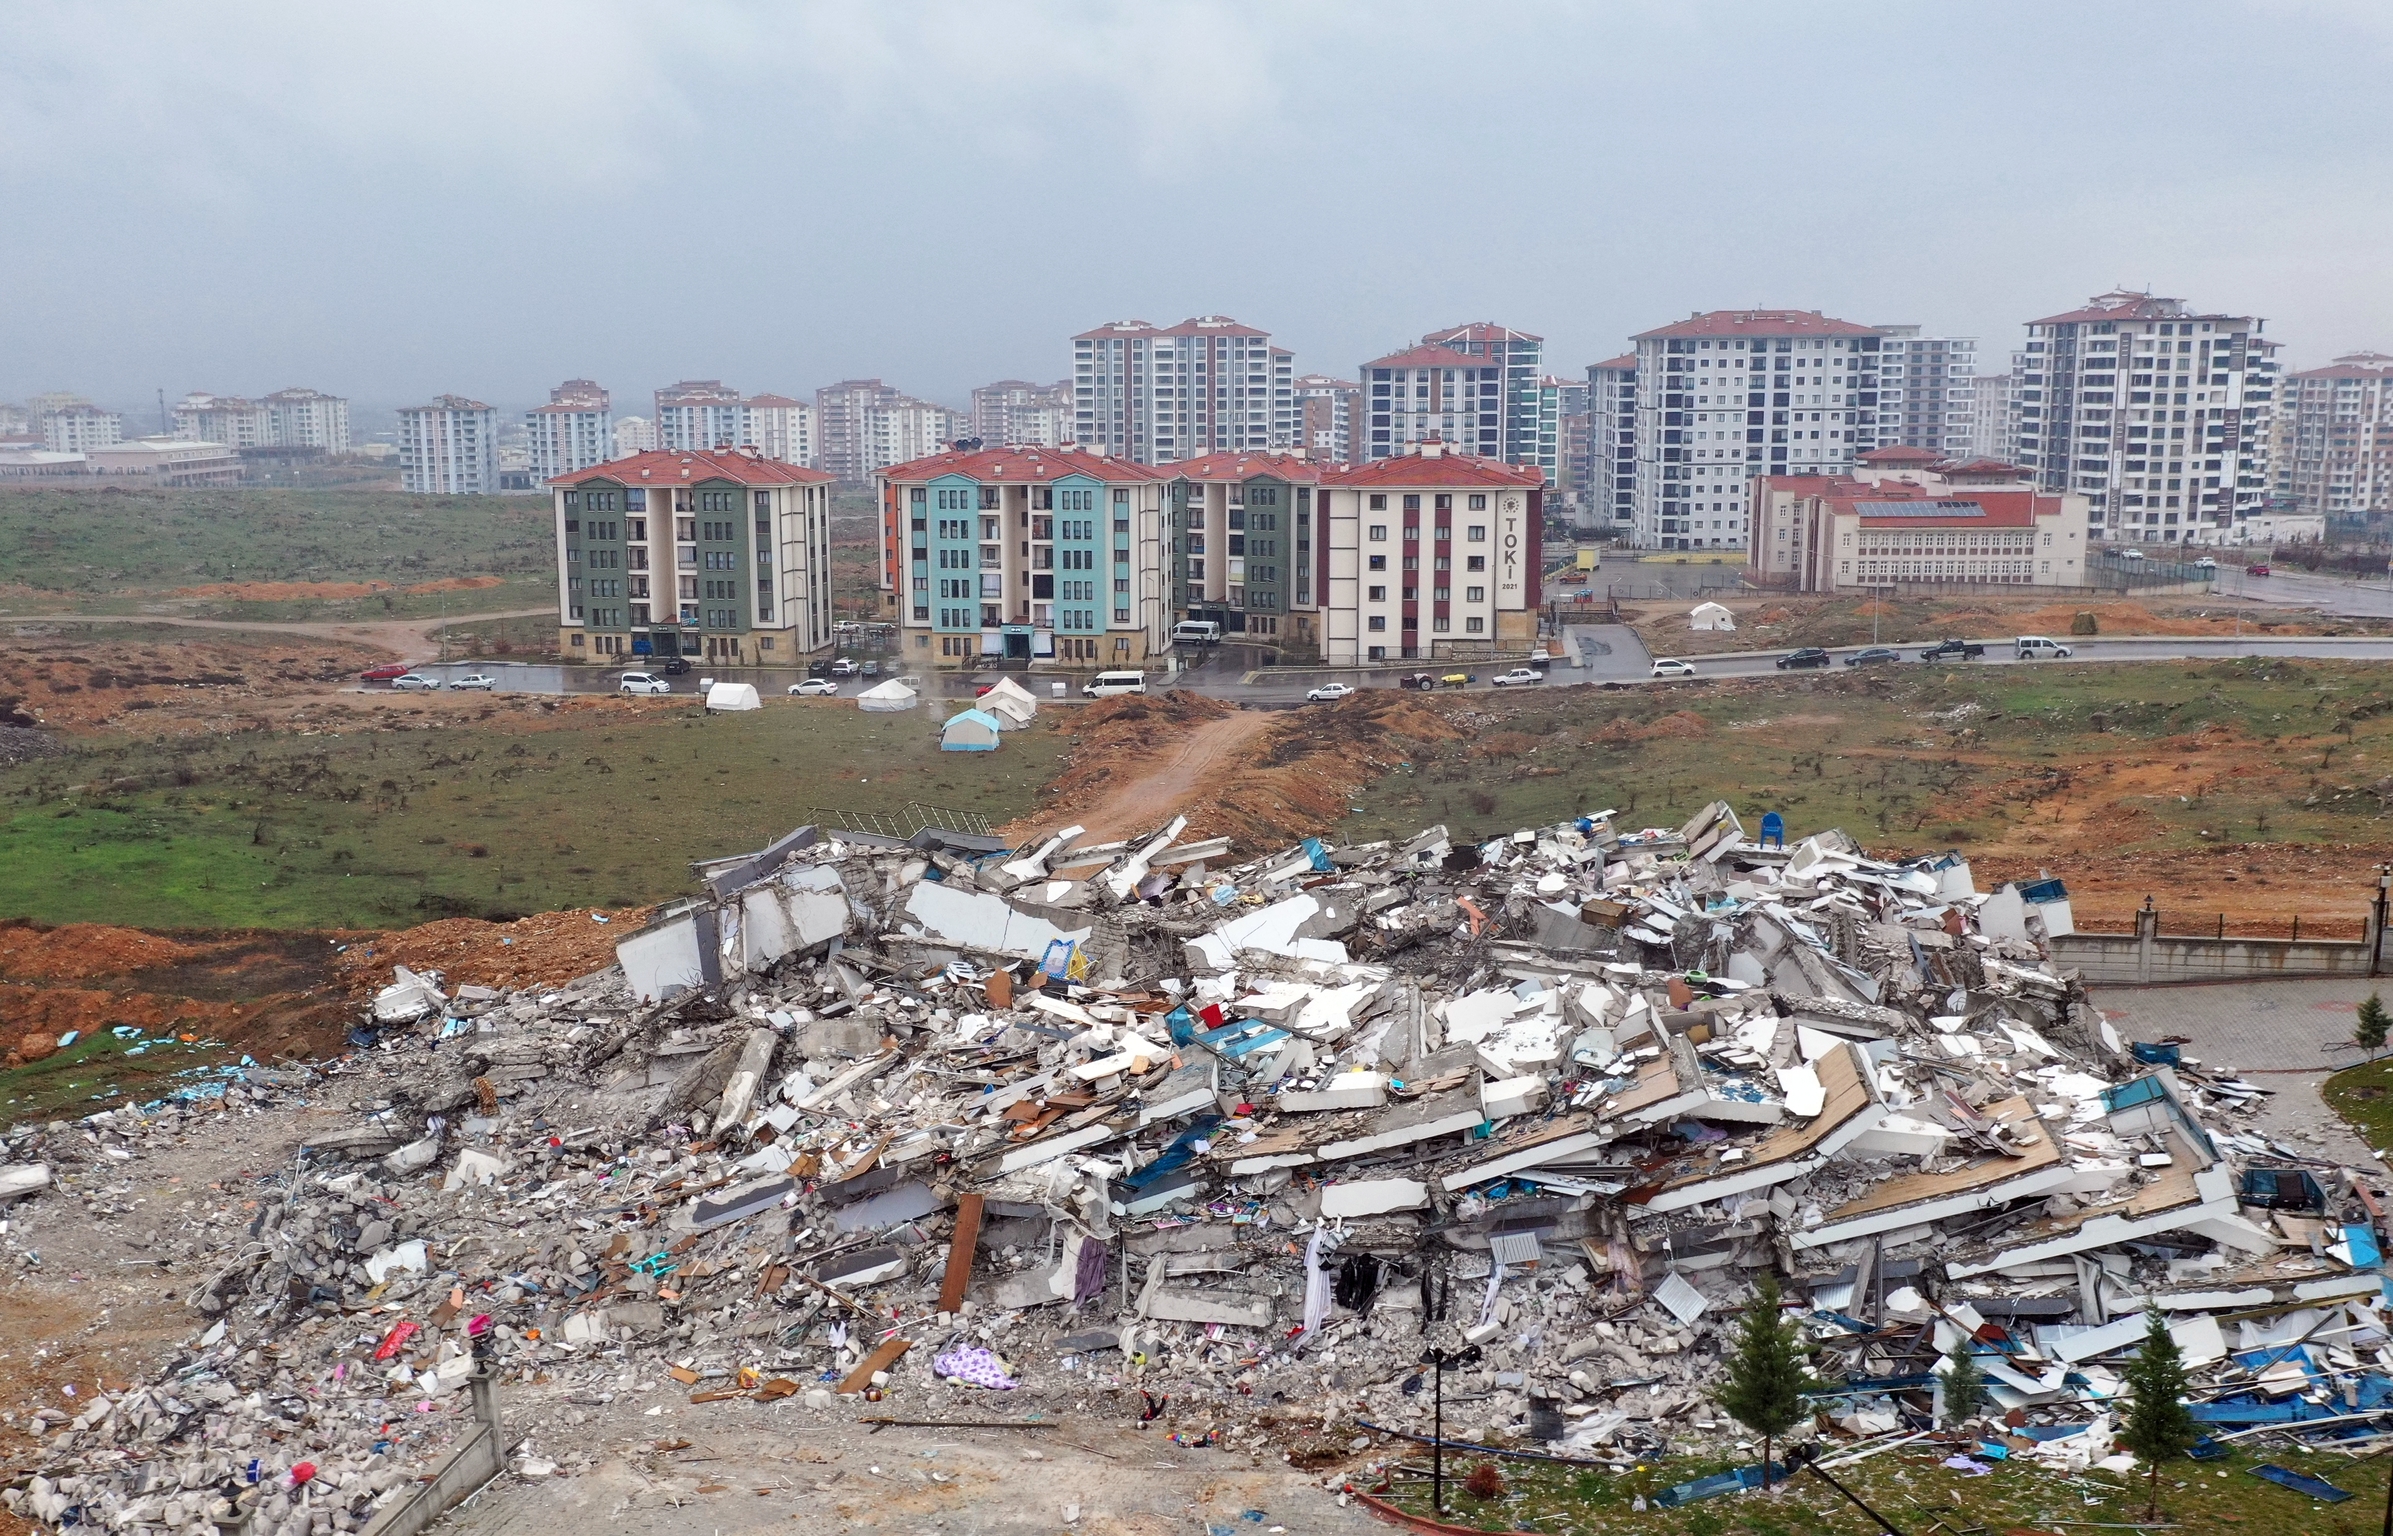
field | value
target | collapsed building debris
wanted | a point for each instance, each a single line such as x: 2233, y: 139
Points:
x: 937, y: 1116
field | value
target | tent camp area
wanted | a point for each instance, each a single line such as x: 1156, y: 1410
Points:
x: 1710, y: 616
x: 888, y: 697
x: 729, y: 698
x: 1012, y: 705
x: 975, y: 730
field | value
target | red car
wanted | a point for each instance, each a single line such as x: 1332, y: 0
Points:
x: 2255, y: 570
x: 384, y: 674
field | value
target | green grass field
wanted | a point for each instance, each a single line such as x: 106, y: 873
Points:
x: 2152, y: 756
x: 524, y: 809
x: 112, y: 549
x: 1916, y: 1492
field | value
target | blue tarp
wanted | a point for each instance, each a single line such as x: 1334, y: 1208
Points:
x: 1735, y: 1481
x: 2284, y: 1478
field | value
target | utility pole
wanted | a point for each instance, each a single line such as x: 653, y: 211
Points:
x: 2376, y: 955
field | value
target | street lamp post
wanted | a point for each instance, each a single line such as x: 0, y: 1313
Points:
x: 1437, y: 1360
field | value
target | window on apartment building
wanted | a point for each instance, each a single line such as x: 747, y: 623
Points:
x: 1378, y: 503
x: 1474, y: 562
x: 1379, y: 594
x: 1474, y: 626
x: 1476, y: 533
x: 1377, y: 624
x: 1379, y: 533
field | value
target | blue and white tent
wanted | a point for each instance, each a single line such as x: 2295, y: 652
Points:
x: 975, y: 730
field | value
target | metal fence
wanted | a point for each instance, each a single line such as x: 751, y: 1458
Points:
x: 2179, y: 924
x: 900, y: 824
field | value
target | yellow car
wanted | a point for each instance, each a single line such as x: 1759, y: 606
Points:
x: 1455, y: 680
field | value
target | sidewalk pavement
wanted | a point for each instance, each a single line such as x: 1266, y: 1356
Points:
x: 2286, y: 1035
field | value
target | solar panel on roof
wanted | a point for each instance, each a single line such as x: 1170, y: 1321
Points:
x: 1919, y: 509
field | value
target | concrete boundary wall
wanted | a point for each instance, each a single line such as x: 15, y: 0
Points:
x: 2147, y: 957
x: 473, y: 1461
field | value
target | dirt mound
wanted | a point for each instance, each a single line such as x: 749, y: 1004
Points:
x: 1314, y: 761
x: 269, y: 994
x: 74, y: 684
x: 80, y: 951
x: 545, y: 949
x: 1681, y: 724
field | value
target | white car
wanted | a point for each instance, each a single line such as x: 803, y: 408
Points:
x: 479, y: 680
x: 2206, y: 564
x: 1330, y: 693
x: 1517, y: 676
x: 415, y: 682
x: 845, y: 667
x: 1671, y: 666
x: 643, y: 682
x: 814, y: 688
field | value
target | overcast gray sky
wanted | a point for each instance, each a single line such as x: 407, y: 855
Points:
x: 392, y: 200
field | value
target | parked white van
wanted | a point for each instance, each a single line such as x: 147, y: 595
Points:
x: 2038, y: 648
x: 1106, y: 684
x: 1196, y: 632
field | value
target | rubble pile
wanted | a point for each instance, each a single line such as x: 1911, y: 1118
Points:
x: 1129, y: 1130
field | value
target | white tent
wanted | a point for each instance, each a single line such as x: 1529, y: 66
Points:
x: 972, y: 731
x: 891, y: 695
x: 1010, y: 702
x: 1710, y: 616
x: 733, y: 696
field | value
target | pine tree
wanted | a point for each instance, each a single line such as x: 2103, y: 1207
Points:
x: 1964, y: 1385
x: 2369, y: 1031
x: 2159, y: 1426
x: 1767, y: 1376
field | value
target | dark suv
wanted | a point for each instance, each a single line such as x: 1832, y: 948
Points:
x: 674, y: 666
x: 1809, y: 656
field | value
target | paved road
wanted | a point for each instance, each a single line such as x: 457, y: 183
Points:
x: 2289, y: 1034
x: 1598, y: 653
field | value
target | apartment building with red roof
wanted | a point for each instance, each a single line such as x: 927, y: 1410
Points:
x: 1904, y: 517
x: 1428, y: 554
x: 722, y: 555
x: 2337, y: 436
x: 1026, y: 557
x: 1243, y: 538
x: 2159, y: 415
x: 1730, y: 394
x: 1157, y: 394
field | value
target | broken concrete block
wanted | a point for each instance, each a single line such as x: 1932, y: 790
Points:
x: 869, y: 1266
x: 22, y: 1179
x: 474, y: 1168
x: 1226, y: 1307
x: 1372, y: 1197
x: 408, y: 1258
x: 1347, y: 1090
x: 1512, y: 1096
x: 415, y: 1157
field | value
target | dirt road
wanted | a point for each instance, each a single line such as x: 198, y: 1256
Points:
x: 408, y: 639
x: 1185, y: 777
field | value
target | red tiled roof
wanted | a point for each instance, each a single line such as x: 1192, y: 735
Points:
x: 1984, y: 467
x: 2355, y: 365
x: 1899, y: 453
x: 2128, y: 306
x: 1482, y: 330
x: 773, y: 400
x: 1139, y: 330
x: 1421, y: 469
x: 1026, y: 464
x: 1233, y: 465
x: 669, y: 466
x: 1758, y: 322
x: 1428, y: 357
x: 2001, y: 508
x: 1626, y: 362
